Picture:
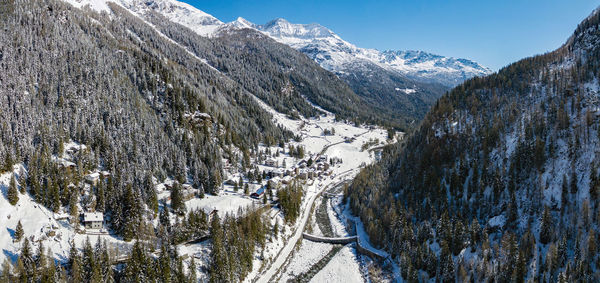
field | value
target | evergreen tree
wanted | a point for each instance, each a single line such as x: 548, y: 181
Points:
x: 218, y: 266
x: 177, y: 203
x: 6, y: 272
x: 192, y: 277
x: 19, y: 232
x: 13, y: 192
x: 546, y: 231
x: 164, y: 265
x: 75, y: 268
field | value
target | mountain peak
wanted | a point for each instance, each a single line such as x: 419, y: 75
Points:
x: 282, y: 28
x: 242, y: 23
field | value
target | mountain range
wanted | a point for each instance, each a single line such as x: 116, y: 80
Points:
x: 400, y: 85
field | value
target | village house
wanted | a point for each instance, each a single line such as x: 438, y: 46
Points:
x: 210, y: 214
x: 271, y: 162
x: 302, y: 164
x: 198, y: 117
x: 258, y: 193
x: 303, y: 175
x: 92, y: 179
x: 74, y: 149
x: 93, y: 220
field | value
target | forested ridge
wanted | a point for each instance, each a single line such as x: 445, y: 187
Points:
x: 113, y: 84
x: 500, y: 180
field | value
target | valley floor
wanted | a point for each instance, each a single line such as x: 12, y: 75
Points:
x: 283, y: 258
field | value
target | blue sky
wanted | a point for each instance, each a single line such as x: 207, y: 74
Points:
x: 493, y: 33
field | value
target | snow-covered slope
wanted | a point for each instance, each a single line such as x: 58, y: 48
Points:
x: 178, y: 12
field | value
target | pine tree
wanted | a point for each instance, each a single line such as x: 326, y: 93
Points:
x: 573, y: 182
x: 512, y: 212
x: 74, y: 264
x: 164, y: 265
x: 192, y: 277
x: 177, y: 203
x: 546, y: 230
x: 13, y: 192
x: 50, y: 275
x: 218, y: 256
x: 6, y: 272
x: 564, y: 193
x: 26, y: 258
x: 19, y: 232
x: 520, y: 270
x: 447, y: 273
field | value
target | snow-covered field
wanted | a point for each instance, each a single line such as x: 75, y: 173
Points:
x: 343, y: 267
x: 308, y: 254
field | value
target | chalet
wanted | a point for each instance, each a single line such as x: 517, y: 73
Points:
x: 303, y: 175
x: 230, y: 182
x: 271, y: 162
x: 302, y: 164
x: 322, y: 158
x: 65, y: 164
x: 286, y: 180
x: 277, y: 173
x: 198, y: 117
x: 93, y: 220
x: 258, y: 193
x: 211, y: 215
x: 92, y: 179
x: 75, y: 148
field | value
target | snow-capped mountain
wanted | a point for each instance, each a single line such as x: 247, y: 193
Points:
x: 400, y: 84
x: 318, y: 42
x: 178, y: 12
x: 340, y: 56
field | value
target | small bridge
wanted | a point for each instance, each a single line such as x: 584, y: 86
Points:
x: 332, y: 195
x: 338, y: 240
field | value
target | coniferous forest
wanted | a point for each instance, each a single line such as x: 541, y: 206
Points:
x: 134, y: 118
x: 503, y: 169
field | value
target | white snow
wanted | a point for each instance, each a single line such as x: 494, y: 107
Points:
x: 406, y: 90
x: 225, y: 203
x: 343, y: 267
x: 39, y: 223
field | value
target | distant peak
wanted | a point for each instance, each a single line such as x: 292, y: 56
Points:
x: 243, y: 23
x: 280, y: 27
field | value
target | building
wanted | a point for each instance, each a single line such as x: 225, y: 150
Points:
x: 258, y: 193
x: 322, y: 158
x: 271, y: 162
x: 92, y: 179
x: 303, y: 175
x: 93, y: 220
x: 211, y: 215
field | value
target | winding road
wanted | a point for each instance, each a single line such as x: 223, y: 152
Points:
x: 291, y: 243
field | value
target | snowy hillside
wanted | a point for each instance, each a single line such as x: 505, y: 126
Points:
x: 178, y: 12
x: 511, y: 162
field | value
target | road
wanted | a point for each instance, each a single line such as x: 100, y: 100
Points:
x: 291, y: 243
